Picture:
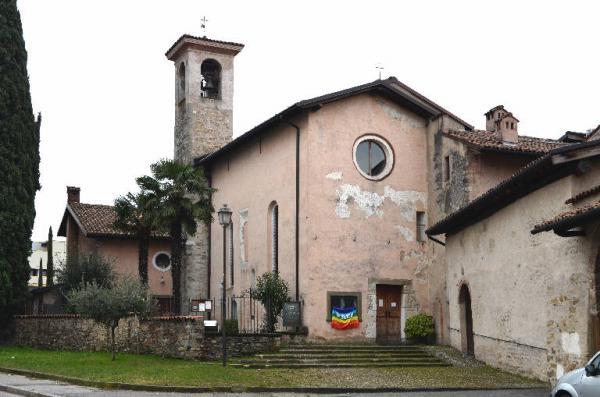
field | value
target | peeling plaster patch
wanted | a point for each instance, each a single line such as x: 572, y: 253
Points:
x: 415, y: 254
x: 560, y: 371
x: 570, y: 343
x: 406, y: 233
x: 406, y: 200
x: 335, y: 176
x: 369, y: 202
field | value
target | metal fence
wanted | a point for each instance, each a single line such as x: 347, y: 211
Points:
x: 245, y: 313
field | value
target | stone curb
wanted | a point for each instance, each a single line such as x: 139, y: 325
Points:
x: 225, y: 389
x: 22, y: 392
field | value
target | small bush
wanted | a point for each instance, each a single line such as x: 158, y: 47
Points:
x: 272, y: 291
x: 231, y: 327
x: 419, y: 327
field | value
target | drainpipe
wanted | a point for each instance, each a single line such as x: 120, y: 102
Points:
x: 297, y: 242
x: 208, y: 264
x: 436, y: 240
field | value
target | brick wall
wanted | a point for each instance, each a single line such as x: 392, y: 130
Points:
x: 179, y: 337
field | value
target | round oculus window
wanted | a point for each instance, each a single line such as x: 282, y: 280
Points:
x: 162, y: 261
x: 373, y: 157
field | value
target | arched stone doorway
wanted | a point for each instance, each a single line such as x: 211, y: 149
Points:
x: 466, y: 320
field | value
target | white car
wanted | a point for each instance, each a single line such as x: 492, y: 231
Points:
x: 582, y: 382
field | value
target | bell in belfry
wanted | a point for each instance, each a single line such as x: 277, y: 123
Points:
x: 209, y: 83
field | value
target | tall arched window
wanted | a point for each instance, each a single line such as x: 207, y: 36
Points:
x: 274, y: 243
x: 211, y: 79
x: 181, y: 80
x: 231, y: 265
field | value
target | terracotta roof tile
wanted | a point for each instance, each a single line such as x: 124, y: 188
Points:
x: 203, y: 38
x: 566, y: 216
x: 487, y: 140
x: 98, y: 219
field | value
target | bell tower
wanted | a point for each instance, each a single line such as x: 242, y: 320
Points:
x: 203, y: 124
x: 203, y: 95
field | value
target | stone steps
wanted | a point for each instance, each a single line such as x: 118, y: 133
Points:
x: 349, y: 351
x: 343, y: 360
x: 339, y: 365
x: 342, y: 356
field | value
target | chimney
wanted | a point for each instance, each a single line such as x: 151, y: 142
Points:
x: 503, y: 124
x: 73, y: 194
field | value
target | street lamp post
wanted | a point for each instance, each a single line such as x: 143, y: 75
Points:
x: 224, y: 220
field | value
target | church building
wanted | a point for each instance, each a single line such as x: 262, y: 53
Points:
x: 335, y: 193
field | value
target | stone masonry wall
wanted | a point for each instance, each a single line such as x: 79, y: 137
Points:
x: 177, y: 337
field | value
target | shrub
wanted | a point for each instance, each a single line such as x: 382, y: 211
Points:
x: 419, y: 327
x: 272, y: 291
x: 107, y: 305
x: 85, y: 269
x: 231, y: 327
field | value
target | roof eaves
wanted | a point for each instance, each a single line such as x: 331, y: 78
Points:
x: 206, y: 159
x: 393, y: 80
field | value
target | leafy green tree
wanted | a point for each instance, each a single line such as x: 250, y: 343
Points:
x: 183, y: 199
x: 85, y: 269
x: 108, y: 305
x: 19, y: 163
x: 136, y: 214
x: 272, y: 291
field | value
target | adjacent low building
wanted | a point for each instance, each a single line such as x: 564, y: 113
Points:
x: 523, y: 266
x: 88, y: 228
x: 39, y: 255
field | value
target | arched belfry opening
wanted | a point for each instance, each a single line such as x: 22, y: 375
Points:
x: 466, y: 320
x: 211, y: 79
x: 181, y: 81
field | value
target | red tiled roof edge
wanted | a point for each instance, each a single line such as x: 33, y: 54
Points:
x: 583, y: 195
x: 570, y: 218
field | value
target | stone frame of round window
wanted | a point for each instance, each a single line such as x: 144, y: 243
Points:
x: 156, y: 257
x: 377, y: 144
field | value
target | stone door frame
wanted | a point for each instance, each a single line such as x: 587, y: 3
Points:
x: 408, y: 302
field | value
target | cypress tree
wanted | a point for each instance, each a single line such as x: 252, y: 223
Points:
x: 19, y: 163
x: 50, y: 261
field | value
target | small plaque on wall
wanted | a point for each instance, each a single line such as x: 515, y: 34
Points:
x: 291, y: 314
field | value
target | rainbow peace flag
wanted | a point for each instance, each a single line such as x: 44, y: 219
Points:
x: 344, y: 318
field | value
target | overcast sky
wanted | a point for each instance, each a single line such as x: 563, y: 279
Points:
x: 100, y: 78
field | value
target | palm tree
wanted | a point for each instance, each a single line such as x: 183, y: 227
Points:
x: 184, y: 200
x: 137, y: 216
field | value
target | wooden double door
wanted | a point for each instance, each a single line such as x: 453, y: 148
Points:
x: 389, y: 314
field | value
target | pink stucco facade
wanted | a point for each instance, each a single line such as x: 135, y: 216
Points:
x: 354, y: 233
x: 123, y: 255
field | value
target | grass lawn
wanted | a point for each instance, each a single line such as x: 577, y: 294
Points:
x: 153, y: 370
